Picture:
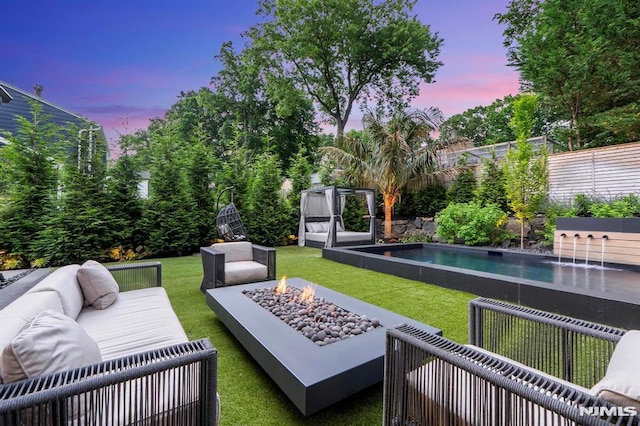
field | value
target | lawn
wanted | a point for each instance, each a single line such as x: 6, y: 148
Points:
x: 248, y: 396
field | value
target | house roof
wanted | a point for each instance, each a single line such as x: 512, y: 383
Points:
x: 5, y: 97
x: 20, y: 106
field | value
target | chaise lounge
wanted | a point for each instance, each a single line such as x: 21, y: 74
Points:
x: 522, y: 367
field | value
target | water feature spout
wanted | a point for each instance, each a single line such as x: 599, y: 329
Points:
x: 604, y: 241
x: 575, y: 243
x: 586, y: 257
x: 562, y: 237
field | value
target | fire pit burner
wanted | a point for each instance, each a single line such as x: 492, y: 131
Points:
x: 321, y: 321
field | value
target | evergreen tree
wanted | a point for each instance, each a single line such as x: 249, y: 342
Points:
x: 492, y: 185
x: 31, y: 178
x: 80, y: 229
x: 462, y: 188
x: 200, y: 176
x: 267, y: 211
x: 125, y: 207
x: 300, y: 175
x: 168, y: 218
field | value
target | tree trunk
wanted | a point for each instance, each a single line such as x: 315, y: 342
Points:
x: 521, y: 233
x: 389, y: 201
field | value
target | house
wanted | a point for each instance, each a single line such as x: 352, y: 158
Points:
x: 20, y: 106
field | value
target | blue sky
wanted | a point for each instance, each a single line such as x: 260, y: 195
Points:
x: 122, y: 63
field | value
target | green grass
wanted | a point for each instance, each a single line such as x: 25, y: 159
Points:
x: 248, y: 396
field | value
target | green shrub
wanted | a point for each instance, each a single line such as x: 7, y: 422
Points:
x: 426, y: 202
x: 628, y: 206
x: 554, y: 211
x: 582, y: 204
x: 471, y: 223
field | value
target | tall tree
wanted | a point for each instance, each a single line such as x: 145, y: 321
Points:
x: 29, y: 171
x: 345, y: 51
x: 581, y: 56
x: 526, y: 175
x: 268, y: 215
x: 491, y: 124
x: 168, y: 218
x: 391, y: 155
x: 81, y: 227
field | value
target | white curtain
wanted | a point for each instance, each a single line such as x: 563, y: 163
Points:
x: 330, y: 196
x: 301, y: 227
x: 371, y: 205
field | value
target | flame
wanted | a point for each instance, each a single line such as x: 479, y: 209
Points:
x: 307, y: 295
x: 282, y: 285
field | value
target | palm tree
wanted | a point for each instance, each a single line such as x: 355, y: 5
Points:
x: 392, y: 156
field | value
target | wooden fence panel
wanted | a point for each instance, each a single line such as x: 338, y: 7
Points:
x: 606, y: 173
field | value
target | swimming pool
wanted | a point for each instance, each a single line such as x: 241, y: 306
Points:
x: 610, y: 295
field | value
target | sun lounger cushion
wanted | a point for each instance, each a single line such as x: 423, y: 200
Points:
x: 98, y: 286
x: 621, y: 384
x: 51, y: 342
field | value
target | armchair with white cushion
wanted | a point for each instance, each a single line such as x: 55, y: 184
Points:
x: 522, y: 366
x: 234, y: 263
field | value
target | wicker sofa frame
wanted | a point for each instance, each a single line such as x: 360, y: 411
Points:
x: 94, y: 394
x: 492, y: 381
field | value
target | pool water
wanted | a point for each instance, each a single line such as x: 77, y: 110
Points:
x: 531, y: 267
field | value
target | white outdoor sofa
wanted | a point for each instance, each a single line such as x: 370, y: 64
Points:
x: 89, y: 345
x: 522, y: 367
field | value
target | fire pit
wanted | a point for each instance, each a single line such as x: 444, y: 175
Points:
x: 317, y: 319
x: 313, y: 376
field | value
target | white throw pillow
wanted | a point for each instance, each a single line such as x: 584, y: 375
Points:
x: 99, y: 287
x: 621, y: 384
x: 50, y: 343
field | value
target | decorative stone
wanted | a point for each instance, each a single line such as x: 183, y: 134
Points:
x: 318, y: 320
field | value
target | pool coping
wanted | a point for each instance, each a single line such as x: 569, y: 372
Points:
x: 616, y: 309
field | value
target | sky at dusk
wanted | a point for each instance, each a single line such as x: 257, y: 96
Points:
x: 121, y: 62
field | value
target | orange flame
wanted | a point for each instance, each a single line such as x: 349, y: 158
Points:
x: 282, y: 285
x: 307, y: 295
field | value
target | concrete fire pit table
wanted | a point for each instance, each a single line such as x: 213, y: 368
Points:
x: 312, y: 376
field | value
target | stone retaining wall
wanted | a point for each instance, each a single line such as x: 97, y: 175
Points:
x: 426, y: 227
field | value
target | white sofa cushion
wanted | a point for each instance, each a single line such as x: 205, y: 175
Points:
x: 138, y: 321
x: 98, y: 286
x: 64, y: 282
x: 51, y: 342
x: 236, y: 251
x: 15, y: 316
x: 244, y: 272
x: 621, y: 384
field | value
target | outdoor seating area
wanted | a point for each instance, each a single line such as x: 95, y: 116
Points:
x: 522, y: 366
x: 91, y: 345
x: 321, y: 221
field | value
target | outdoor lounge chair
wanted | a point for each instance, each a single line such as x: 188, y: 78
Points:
x: 522, y: 367
x: 235, y: 263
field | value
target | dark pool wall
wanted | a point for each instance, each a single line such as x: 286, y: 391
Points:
x: 588, y: 304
